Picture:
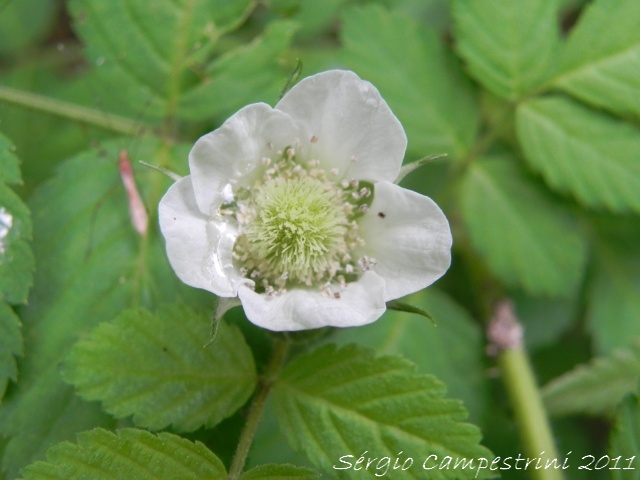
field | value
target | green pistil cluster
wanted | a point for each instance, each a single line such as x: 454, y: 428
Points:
x: 298, y: 226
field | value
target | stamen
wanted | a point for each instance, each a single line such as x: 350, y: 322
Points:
x: 297, y: 227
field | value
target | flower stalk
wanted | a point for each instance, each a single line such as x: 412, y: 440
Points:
x: 505, y: 334
x: 256, y: 409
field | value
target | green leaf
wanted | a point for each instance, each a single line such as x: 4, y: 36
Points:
x: 127, y: 454
x: 9, y: 163
x: 544, y: 319
x: 280, y: 472
x: 527, y: 239
x: 16, y: 263
x: 586, y: 153
x: 451, y: 347
x: 595, y: 388
x: 222, y: 94
x: 613, y: 310
x: 92, y: 265
x: 24, y: 23
x: 44, y: 140
x: 155, y: 55
x: 601, y: 59
x: 416, y: 75
x: 156, y: 368
x: 170, y: 60
x: 625, y: 439
x: 10, y: 346
x: 16, y: 257
x: 510, y: 47
x: 336, y: 402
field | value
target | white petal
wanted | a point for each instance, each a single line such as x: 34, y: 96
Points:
x: 360, y: 303
x: 234, y: 152
x: 352, y: 127
x: 198, y: 247
x: 409, y: 237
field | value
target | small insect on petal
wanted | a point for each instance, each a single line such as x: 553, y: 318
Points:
x: 139, y: 216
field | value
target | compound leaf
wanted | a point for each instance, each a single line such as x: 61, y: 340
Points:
x: 156, y: 368
x: 595, y: 388
x: 416, y: 75
x: 332, y: 402
x: 16, y: 262
x: 449, y: 345
x: 526, y: 238
x: 16, y: 258
x: 613, y: 297
x: 602, y: 57
x: 221, y: 94
x: 161, y: 55
x: 129, y: 453
x: 510, y: 47
x: 589, y: 154
x: 92, y: 265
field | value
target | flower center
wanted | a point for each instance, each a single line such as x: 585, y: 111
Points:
x: 298, y: 226
x: 299, y: 230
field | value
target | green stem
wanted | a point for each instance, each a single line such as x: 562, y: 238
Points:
x: 531, y: 416
x: 256, y: 409
x: 72, y: 111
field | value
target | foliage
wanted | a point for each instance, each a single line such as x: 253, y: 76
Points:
x: 598, y: 387
x: 171, y: 383
x: 535, y: 104
x: 16, y: 262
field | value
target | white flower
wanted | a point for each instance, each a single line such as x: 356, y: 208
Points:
x: 293, y: 210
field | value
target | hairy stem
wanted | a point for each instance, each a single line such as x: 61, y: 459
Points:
x: 89, y: 116
x: 256, y: 409
x: 505, y: 333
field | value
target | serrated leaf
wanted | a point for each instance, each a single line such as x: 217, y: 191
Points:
x: 510, y: 47
x: 336, y: 402
x: 24, y: 23
x: 16, y: 263
x: 586, y: 153
x: 624, y: 440
x: 416, y: 75
x: 170, y: 59
x: 127, y: 454
x: 16, y: 257
x: 221, y: 94
x: 451, y: 347
x: 92, y: 265
x: 9, y: 163
x: 280, y: 472
x: 10, y: 346
x: 601, y: 59
x: 595, y: 388
x: 155, y: 54
x: 526, y: 238
x: 613, y: 298
x: 156, y: 368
